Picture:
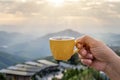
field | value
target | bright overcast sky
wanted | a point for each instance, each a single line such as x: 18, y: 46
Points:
x: 44, y: 16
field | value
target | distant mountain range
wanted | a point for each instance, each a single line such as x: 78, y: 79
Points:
x: 9, y: 39
x: 8, y: 60
x: 111, y: 39
x: 39, y: 48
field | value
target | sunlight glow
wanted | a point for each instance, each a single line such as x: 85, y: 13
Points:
x: 24, y: 1
x: 113, y: 0
x: 56, y: 2
x: 73, y: 0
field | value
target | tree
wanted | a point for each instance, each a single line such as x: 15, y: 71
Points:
x: 83, y: 74
x: 74, y: 59
x: 2, y: 77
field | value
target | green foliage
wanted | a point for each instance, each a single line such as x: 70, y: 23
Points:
x: 33, y: 77
x: 74, y: 59
x: 2, y: 77
x: 86, y: 74
x: 54, y: 78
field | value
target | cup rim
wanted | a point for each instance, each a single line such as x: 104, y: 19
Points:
x: 63, y: 38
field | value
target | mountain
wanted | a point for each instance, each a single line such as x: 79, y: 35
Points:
x: 8, y: 60
x: 40, y: 47
x: 111, y: 39
x: 9, y: 39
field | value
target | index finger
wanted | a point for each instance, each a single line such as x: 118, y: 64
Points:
x: 86, y: 40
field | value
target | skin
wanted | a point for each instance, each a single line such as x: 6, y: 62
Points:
x: 99, y: 56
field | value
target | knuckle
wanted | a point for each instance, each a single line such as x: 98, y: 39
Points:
x: 86, y: 36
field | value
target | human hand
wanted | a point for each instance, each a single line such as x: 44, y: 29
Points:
x: 94, y: 53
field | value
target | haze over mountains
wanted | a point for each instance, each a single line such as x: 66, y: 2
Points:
x: 9, y: 39
x: 39, y: 47
x: 17, y: 48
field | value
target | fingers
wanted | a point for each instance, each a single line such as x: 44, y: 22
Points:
x: 84, y: 44
x: 84, y: 54
x: 86, y: 61
x: 86, y: 40
x: 89, y: 56
x: 86, y: 57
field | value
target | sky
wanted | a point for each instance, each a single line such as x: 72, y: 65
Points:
x: 39, y: 17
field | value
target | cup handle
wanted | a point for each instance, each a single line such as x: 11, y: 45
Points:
x: 75, y: 51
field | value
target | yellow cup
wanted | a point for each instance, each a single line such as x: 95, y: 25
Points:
x: 62, y: 48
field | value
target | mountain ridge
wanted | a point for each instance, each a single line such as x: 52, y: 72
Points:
x: 40, y: 46
x: 7, y: 59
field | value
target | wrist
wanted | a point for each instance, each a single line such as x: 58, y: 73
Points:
x: 112, y: 63
x: 111, y: 68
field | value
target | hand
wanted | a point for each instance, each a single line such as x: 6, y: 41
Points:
x: 94, y: 53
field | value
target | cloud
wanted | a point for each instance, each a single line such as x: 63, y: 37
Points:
x: 11, y: 19
x: 38, y: 16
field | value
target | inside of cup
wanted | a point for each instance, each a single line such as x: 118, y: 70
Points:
x: 62, y: 38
